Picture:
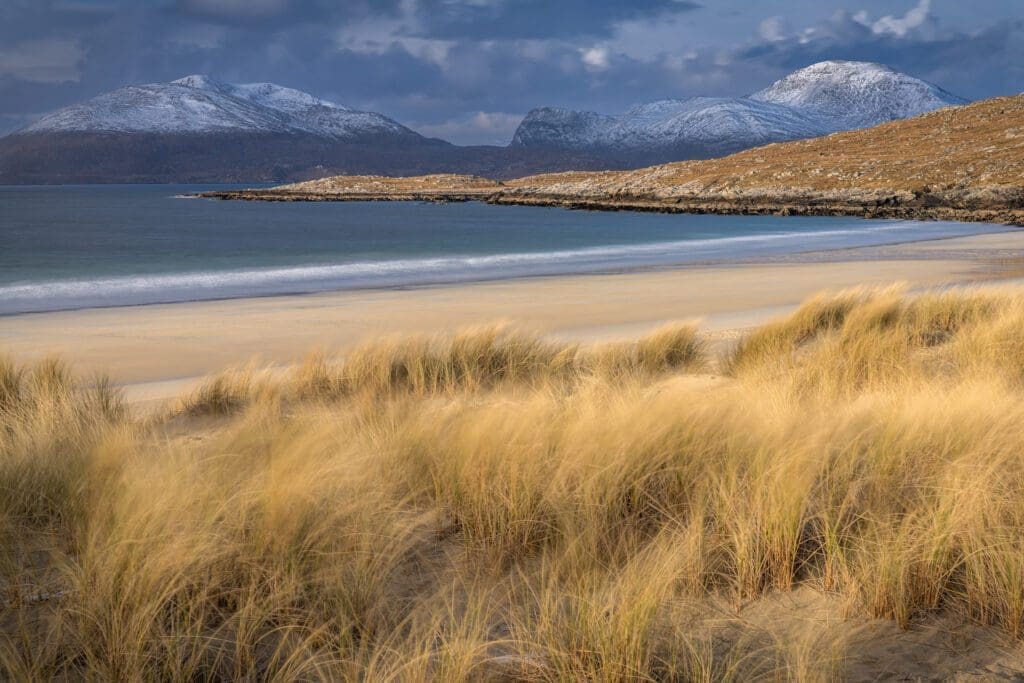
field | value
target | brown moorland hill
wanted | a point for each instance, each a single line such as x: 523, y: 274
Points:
x: 964, y: 163
x: 962, y: 155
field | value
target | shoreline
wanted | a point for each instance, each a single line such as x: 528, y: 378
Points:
x: 778, y: 241
x: 825, y: 255
x: 889, y: 208
x: 155, y: 351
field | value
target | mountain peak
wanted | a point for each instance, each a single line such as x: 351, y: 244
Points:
x: 556, y: 127
x: 856, y: 94
x: 200, y: 82
x: 201, y: 104
x: 818, y: 99
x: 843, y: 66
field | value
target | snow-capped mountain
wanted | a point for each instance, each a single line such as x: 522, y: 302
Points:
x: 820, y: 99
x: 856, y: 94
x: 553, y: 127
x: 199, y: 129
x: 710, y: 122
x: 203, y: 105
x: 698, y: 121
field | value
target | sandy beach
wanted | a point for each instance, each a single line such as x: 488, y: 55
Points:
x: 156, y: 350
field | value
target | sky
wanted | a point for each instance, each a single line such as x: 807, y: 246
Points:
x: 469, y: 70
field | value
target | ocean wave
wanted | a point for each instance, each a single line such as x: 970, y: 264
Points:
x: 293, y: 279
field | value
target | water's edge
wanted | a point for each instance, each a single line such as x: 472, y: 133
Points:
x: 415, y: 273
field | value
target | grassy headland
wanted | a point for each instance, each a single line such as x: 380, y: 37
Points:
x: 496, y: 505
x: 960, y: 163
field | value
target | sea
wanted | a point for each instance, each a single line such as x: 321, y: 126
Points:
x: 71, y: 247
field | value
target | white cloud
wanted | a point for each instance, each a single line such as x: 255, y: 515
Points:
x: 773, y: 29
x: 890, y: 25
x: 495, y: 121
x: 377, y: 36
x: 595, y: 58
x: 649, y: 39
x: 49, y: 60
x: 380, y: 37
x: 480, y: 128
x: 680, y: 62
x: 535, y: 50
x: 203, y: 36
x: 473, y: 3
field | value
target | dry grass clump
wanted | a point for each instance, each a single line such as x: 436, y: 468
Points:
x: 864, y: 339
x: 473, y: 359
x: 495, y: 506
x: 49, y: 421
x: 673, y: 347
x: 419, y: 365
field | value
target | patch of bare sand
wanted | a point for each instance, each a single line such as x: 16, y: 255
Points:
x: 940, y: 647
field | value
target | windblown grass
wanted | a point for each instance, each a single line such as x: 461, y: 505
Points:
x: 494, y: 505
x: 48, y: 424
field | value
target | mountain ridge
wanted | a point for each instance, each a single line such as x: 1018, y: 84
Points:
x: 200, y: 104
x: 200, y: 129
x: 822, y: 98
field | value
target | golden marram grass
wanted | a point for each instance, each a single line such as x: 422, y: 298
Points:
x: 495, y: 505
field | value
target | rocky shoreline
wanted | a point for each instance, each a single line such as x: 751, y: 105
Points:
x: 892, y: 208
x: 275, y: 195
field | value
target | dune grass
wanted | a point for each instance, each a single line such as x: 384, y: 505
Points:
x: 494, y: 505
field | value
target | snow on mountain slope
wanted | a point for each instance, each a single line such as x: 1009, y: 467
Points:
x: 269, y: 95
x: 199, y: 104
x: 704, y: 123
x: 710, y: 121
x: 856, y: 94
x: 161, y: 109
x: 553, y: 127
x: 820, y: 99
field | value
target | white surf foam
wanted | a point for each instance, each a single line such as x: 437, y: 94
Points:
x: 199, y: 285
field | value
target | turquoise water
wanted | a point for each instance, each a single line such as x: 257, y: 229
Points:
x: 84, y: 246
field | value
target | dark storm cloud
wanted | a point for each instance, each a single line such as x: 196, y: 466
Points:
x: 275, y: 15
x: 511, y: 19
x: 468, y: 69
x: 447, y: 19
x: 974, y: 64
x: 234, y: 8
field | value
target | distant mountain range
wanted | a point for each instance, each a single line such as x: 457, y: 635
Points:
x: 200, y: 105
x: 823, y: 98
x: 198, y: 129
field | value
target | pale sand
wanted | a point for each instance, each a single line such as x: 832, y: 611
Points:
x: 156, y: 350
